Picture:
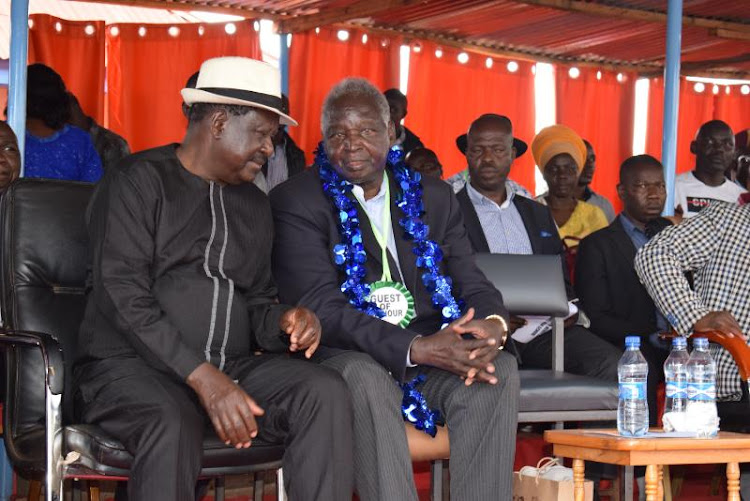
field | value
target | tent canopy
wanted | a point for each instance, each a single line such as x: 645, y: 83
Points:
x: 615, y: 34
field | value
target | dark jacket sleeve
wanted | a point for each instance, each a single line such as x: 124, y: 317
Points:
x: 264, y: 322
x: 306, y: 275
x: 592, y: 279
x: 121, y: 230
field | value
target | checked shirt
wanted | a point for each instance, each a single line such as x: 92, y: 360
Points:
x: 715, y: 246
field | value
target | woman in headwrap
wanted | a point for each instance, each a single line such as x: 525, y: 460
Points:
x: 561, y: 153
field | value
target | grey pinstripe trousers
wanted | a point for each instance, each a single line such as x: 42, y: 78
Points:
x: 481, y: 421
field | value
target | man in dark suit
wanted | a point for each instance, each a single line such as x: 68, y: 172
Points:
x: 398, y: 106
x: 333, y: 239
x: 606, y: 281
x: 501, y: 222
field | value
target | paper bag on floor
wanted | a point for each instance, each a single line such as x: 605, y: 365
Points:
x: 549, y: 481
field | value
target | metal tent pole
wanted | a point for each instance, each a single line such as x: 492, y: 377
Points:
x: 671, y: 100
x: 284, y: 62
x: 19, y: 49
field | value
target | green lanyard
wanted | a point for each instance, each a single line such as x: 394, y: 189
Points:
x: 386, y: 226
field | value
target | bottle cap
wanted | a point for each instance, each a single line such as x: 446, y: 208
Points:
x: 632, y: 341
x: 700, y: 342
x: 679, y: 342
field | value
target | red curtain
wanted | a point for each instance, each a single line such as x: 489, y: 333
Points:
x: 75, y: 49
x: 696, y: 108
x: 148, y: 65
x: 733, y: 107
x: 601, y: 108
x: 445, y: 96
x: 318, y: 59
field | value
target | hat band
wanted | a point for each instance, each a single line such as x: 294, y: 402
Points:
x: 246, y: 95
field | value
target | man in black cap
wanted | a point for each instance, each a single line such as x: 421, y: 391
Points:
x: 500, y: 222
x: 458, y: 181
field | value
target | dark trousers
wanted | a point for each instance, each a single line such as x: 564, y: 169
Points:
x: 481, y: 421
x: 586, y: 354
x: 160, y: 421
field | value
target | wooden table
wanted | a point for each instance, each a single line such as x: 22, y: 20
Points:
x: 606, y: 446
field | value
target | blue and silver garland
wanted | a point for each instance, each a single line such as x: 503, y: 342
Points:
x: 350, y: 257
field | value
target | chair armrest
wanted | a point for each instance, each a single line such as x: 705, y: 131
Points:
x: 735, y: 345
x: 51, y: 354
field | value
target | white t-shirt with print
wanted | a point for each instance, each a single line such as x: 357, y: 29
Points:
x: 693, y: 195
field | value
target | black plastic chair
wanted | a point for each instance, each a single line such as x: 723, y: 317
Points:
x: 42, y: 279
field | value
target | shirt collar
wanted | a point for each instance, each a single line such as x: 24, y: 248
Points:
x: 479, y: 199
x: 629, y: 226
x: 359, y: 193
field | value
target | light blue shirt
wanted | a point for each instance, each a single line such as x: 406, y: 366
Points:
x: 502, y: 224
x: 636, y: 235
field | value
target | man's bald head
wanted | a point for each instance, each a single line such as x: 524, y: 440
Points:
x: 491, y: 121
x: 711, y: 127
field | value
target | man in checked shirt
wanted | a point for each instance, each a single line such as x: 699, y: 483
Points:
x: 715, y: 246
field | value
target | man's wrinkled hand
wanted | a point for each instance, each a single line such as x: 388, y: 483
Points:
x: 448, y: 350
x: 303, y: 328
x: 231, y: 410
x: 721, y: 321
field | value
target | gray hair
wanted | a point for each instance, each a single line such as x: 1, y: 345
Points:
x: 353, y: 87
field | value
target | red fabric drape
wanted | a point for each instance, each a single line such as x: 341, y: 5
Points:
x: 733, y: 107
x: 602, y: 110
x: 317, y: 61
x: 76, y: 55
x: 445, y: 96
x: 696, y: 108
x: 145, y: 74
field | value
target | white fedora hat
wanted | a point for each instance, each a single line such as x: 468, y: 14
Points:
x: 239, y: 80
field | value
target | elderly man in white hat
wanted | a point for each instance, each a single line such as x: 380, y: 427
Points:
x: 183, y: 328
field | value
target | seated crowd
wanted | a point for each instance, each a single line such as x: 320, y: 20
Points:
x: 236, y: 292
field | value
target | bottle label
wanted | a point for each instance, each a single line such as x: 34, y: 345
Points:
x: 702, y: 392
x: 676, y: 389
x: 633, y: 391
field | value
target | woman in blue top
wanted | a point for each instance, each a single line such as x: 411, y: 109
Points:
x: 54, y: 149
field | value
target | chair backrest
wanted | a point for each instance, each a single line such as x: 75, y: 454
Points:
x: 530, y: 284
x: 43, y: 279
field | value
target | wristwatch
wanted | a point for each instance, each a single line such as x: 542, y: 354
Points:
x: 502, y: 321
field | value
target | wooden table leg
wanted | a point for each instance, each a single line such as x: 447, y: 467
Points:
x: 652, y: 477
x: 660, y: 483
x: 578, y: 479
x: 733, y: 482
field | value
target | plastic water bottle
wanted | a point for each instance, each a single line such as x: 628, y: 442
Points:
x: 632, y: 409
x: 701, y: 376
x: 675, y: 376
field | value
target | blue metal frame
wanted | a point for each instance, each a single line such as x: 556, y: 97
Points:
x: 671, y: 100
x: 284, y: 62
x: 19, y: 49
